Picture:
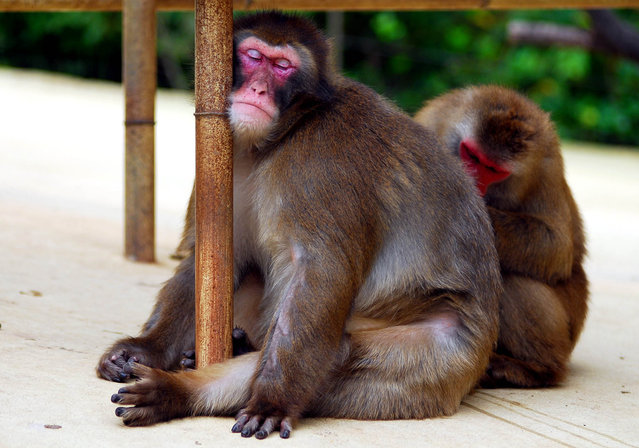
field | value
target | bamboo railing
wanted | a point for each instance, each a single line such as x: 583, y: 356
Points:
x: 322, y: 5
x: 214, y: 174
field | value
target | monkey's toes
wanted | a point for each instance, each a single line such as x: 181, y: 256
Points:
x: 113, y: 365
x: 139, y: 416
x: 188, y: 360
x: 248, y: 425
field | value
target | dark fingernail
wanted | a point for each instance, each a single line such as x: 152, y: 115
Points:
x: 246, y: 432
x: 285, y: 434
x: 119, y: 411
x: 261, y: 434
x: 115, y: 398
x: 116, y: 379
x: 123, y: 390
x: 123, y: 376
x: 236, y: 428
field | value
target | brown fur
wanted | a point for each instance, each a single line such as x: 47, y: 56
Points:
x: 380, y: 274
x: 539, y: 233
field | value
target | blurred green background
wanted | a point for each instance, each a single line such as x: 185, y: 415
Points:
x: 407, y: 56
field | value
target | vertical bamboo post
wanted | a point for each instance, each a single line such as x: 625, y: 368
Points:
x: 139, y: 76
x: 214, y: 181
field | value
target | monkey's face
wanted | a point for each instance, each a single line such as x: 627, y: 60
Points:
x: 484, y: 170
x: 263, y: 72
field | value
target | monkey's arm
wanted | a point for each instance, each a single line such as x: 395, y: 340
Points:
x: 532, y: 246
x: 302, y: 343
x: 168, y: 332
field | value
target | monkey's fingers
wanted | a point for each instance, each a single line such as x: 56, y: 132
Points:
x: 111, y: 366
x: 249, y: 425
x: 140, y: 416
x: 143, y: 412
x: 188, y: 360
x: 142, y: 393
x: 156, y: 397
x: 241, y: 343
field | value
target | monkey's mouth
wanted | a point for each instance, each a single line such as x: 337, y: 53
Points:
x: 251, y: 109
x: 483, y: 170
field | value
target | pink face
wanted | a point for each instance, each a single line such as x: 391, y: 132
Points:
x: 265, y: 69
x: 480, y: 167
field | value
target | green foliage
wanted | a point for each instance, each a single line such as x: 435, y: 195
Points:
x: 408, y: 56
x: 84, y: 44
x: 590, y: 96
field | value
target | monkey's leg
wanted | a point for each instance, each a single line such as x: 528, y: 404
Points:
x: 409, y: 371
x: 169, y: 331
x: 219, y: 389
x: 187, y: 242
x: 534, y: 337
x: 419, y: 370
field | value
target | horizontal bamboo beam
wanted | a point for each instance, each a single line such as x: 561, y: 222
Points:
x: 323, y: 5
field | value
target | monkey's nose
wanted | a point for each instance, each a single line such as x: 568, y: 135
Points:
x: 259, y: 88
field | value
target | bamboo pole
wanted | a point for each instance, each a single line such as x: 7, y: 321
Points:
x: 139, y: 77
x: 214, y: 181
x: 324, y: 5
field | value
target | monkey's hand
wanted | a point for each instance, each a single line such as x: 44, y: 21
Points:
x: 241, y: 345
x: 249, y: 423
x: 158, y: 396
x: 116, y: 363
x: 188, y: 360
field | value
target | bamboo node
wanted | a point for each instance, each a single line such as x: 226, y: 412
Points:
x: 215, y: 113
x: 139, y: 122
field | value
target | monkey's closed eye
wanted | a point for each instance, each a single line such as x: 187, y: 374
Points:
x: 254, y: 54
x: 283, y: 63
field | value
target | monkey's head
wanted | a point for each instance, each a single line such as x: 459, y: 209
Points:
x: 512, y: 136
x: 500, y: 135
x: 280, y: 69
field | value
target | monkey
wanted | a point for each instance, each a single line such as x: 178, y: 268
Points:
x: 510, y: 148
x: 373, y: 255
x: 183, y: 248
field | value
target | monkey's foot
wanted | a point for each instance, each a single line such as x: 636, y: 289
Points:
x: 119, y: 359
x: 158, y: 396
x: 188, y: 360
x: 241, y: 345
x: 504, y: 371
x: 248, y: 424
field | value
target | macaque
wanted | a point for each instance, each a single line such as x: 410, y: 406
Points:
x: 511, y: 150
x: 364, y: 262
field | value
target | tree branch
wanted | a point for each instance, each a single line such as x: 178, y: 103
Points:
x: 609, y: 34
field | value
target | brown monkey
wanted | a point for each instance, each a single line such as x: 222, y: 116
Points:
x: 381, y: 279
x: 510, y: 147
x: 184, y: 248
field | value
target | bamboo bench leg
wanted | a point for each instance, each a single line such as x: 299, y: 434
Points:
x: 214, y: 181
x: 139, y: 76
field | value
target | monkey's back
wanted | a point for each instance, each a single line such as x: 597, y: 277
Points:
x: 396, y: 188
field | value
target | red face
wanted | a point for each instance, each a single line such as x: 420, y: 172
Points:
x: 480, y: 167
x: 265, y: 69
